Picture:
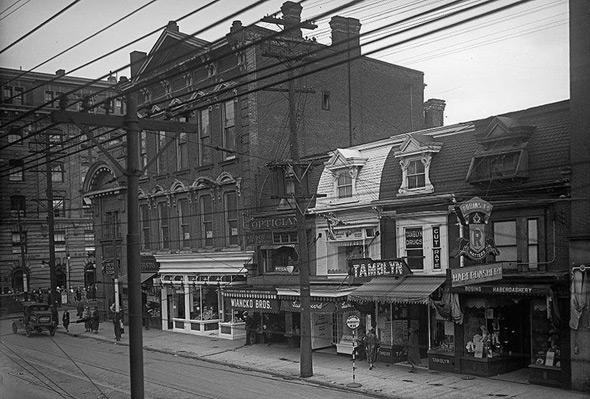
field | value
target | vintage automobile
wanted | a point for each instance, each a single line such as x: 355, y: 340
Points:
x: 36, y: 317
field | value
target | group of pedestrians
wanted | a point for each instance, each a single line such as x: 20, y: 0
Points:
x: 90, y: 317
x: 370, y: 343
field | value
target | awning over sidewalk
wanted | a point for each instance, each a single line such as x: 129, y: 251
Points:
x: 410, y: 289
x: 144, y: 277
x: 324, y: 299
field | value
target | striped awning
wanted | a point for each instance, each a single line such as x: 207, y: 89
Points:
x: 247, y: 293
x: 409, y: 289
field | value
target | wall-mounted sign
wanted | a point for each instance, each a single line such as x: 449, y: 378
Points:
x: 505, y: 289
x: 273, y: 223
x: 476, y: 274
x: 269, y: 305
x: 368, y: 267
x: 475, y: 213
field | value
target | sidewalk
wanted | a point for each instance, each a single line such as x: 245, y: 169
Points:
x: 388, y: 381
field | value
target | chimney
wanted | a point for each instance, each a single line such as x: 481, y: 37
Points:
x: 137, y: 58
x: 172, y: 26
x: 60, y: 72
x: 434, y: 113
x: 346, y: 33
x: 291, y: 17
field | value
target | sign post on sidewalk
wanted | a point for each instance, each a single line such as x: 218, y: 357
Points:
x: 353, y: 322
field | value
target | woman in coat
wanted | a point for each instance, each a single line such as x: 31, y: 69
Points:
x: 413, y: 350
x: 371, y: 342
x: 65, y: 319
x: 94, y: 320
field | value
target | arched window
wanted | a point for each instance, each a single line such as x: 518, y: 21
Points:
x: 17, y: 280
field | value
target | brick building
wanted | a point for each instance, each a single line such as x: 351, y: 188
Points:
x: 200, y: 193
x: 26, y: 136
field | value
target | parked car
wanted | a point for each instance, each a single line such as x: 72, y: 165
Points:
x: 37, y: 317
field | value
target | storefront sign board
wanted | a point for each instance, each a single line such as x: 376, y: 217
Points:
x: 476, y: 274
x: 502, y: 289
x: 264, y: 305
x: 273, y: 223
x: 368, y: 267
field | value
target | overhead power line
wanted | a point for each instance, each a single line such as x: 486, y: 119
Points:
x: 40, y: 26
x: 82, y: 41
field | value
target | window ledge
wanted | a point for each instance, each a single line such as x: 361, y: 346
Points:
x: 344, y: 201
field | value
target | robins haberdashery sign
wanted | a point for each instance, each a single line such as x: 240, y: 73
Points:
x: 476, y: 274
x: 505, y: 289
x: 475, y: 213
x: 367, y: 267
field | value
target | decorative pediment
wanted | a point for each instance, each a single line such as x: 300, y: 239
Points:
x: 502, y: 132
x: 418, y: 144
x: 345, y: 158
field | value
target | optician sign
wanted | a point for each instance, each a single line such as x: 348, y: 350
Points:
x: 476, y: 274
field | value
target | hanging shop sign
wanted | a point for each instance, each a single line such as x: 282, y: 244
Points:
x: 475, y: 214
x: 367, y: 267
x: 476, y: 274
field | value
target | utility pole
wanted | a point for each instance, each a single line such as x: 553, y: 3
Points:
x: 22, y: 237
x: 50, y: 220
x: 292, y: 22
x: 133, y: 125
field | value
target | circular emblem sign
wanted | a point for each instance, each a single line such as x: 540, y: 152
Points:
x: 353, y: 321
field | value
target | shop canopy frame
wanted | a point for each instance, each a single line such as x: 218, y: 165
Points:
x: 410, y: 289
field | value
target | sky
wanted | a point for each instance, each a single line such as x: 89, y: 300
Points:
x: 504, y: 62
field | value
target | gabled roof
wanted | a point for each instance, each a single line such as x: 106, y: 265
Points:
x: 418, y: 143
x: 171, y: 48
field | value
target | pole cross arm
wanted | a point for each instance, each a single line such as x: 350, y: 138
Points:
x: 116, y: 121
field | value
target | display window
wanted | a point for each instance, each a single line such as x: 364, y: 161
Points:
x: 546, y: 341
x: 443, y: 337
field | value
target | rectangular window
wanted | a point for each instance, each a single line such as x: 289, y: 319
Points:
x: 89, y: 238
x: 533, y: 243
x: 144, y: 214
x: 505, y: 240
x: 49, y: 98
x: 344, y: 185
x: 57, y: 173
x: 229, y: 130
x: 59, y: 207
x: 17, y: 239
x: 163, y: 221
x: 18, y: 96
x: 17, y: 170
x: 160, y: 159
x: 182, y: 151
x: 7, y: 95
x: 231, y: 218
x: 15, y: 133
x: 416, y: 174
x: 17, y: 206
x: 206, y: 220
x: 185, y: 227
x: 414, y: 248
x: 204, y: 138
x: 59, y: 239
x: 326, y: 100
x: 143, y: 156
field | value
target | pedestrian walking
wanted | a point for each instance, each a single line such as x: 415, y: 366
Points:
x: 65, y: 319
x: 86, y: 318
x: 371, y: 343
x: 146, y: 316
x: 413, y: 350
x: 117, y: 322
x: 79, y: 309
x: 94, y: 320
x: 250, y: 329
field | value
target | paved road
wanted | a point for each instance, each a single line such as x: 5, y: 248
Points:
x: 69, y: 367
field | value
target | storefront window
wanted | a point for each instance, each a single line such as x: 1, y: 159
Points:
x: 488, y: 332
x: 444, y: 334
x: 546, y: 345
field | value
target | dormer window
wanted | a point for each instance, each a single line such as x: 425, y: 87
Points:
x: 503, y: 154
x: 415, y: 157
x: 345, y: 165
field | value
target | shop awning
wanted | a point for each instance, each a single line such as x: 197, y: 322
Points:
x: 249, y: 293
x: 410, y: 289
x: 144, y: 276
x: 318, y: 293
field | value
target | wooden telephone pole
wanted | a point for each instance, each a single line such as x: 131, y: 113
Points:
x: 286, y: 53
x: 133, y: 125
